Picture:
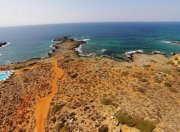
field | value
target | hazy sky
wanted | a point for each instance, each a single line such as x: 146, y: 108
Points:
x: 28, y: 12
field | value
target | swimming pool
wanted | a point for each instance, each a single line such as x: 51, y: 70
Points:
x: 5, y: 75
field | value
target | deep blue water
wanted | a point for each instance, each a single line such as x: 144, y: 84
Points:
x: 112, y: 39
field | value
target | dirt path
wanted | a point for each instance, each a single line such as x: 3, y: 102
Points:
x: 42, y: 106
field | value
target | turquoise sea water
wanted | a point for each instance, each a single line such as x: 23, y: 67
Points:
x: 113, y: 39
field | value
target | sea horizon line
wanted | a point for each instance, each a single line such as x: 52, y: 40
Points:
x: 44, y: 24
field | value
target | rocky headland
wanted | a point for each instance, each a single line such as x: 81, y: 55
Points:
x: 69, y: 93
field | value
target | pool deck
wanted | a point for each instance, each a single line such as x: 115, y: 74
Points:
x: 9, y: 74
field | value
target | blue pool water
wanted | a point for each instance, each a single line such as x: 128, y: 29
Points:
x: 4, y: 76
x: 113, y: 39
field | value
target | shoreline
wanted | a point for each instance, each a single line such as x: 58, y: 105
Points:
x: 55, y: 47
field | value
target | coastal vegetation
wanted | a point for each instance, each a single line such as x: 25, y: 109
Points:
x: 142, y: 125
x: 106, y: 101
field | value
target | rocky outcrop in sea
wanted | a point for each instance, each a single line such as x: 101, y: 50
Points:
x: 2, y: 44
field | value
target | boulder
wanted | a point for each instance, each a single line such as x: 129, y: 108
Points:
x: 2, y: 43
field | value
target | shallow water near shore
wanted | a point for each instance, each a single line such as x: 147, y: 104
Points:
x: 113, y: 39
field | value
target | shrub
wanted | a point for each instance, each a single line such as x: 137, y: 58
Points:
x: 142, y: 90
x: 128, y: 67
x: 55, y: 109
x: 25, y: 69
x: 66, y: 56
x: 153, y: 61
x: 73, y: 74
x: 106, y: 101
x: 168, y: 84
x: 146, y: 65
x: 32, y: 64
x: 65, y: 128
x: 176, y: 58
x: 125, y: 73
x: 178, y: 69
x: 17, y: 67
x: 80, y: 60
x: 138, y: 75
x: 173, y: 90
x: 157, y: 80
x: 143, y: 79
x: 178, y: 62
x: 59, y: 126
x: 170, y: 62
x: 142, y: 125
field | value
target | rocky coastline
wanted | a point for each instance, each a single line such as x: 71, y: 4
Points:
x: 129, y: 55
x: 175, y: 42
x: 90, y: 94
x: 3, y: 44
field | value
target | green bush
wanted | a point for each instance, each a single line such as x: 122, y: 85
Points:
x: 170, y: 63
x: 142, y: 125
x: 125, y: 73
x: 168, y: 84
x: 178, y: 69
x: 173, y: 89
x: 157, y: 80
x: 141, y: 90
x: 55, y: 109
x: 176, y: 58
x: 106, y: 101
x: 17, y: 67
x: 146, y: 65
x: 73, y: 74
x: 143, y: 79
x: 178, y: 62
x: 153, y: 61
x: 65, y: 128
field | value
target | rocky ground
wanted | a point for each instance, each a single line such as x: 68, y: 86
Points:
x: 94, y: 94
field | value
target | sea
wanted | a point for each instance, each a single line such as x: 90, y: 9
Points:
x: 114, y: 39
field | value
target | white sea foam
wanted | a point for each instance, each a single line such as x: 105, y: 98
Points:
x: 51, y: 46
x: 80, y: 52
x: 134, y: 51
x: 157, y: 52
x: 129, y: 53
x: 79, y: 49
x: 103, y: 50
x: 0, y: 54
x: 168, y: 42
x: 171, y: 42
x: 86, y: 39
x: 8, y: 62
x: 90, y: 54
